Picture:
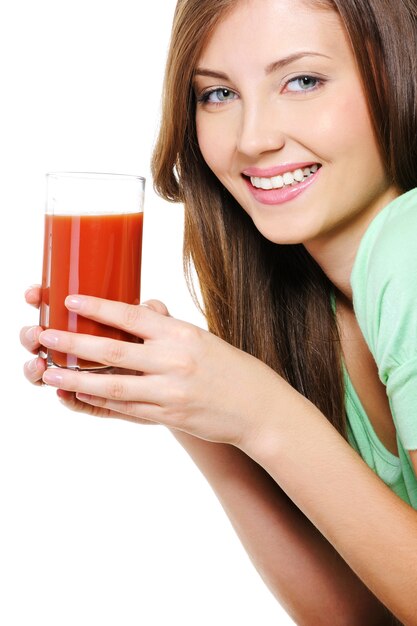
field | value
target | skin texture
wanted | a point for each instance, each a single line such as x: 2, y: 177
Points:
x: 211, y: 394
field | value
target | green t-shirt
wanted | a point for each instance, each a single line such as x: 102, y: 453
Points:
x: 384, y: 285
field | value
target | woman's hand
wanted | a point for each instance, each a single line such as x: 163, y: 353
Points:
x: 191, y: 380
x: 35, y: 368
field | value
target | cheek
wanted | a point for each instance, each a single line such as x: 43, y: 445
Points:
x: 347, y: 130
x: 213, y: 141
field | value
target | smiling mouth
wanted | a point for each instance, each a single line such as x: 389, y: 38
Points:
x: 288, y: 179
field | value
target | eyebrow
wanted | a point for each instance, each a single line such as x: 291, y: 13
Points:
x: 272, y: 67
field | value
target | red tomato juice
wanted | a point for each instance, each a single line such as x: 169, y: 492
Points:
x: 97, y: 255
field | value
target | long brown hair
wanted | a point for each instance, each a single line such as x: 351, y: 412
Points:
x: 273, y: 300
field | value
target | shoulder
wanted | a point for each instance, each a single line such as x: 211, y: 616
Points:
x: 384, y: 285
x: 389, y: 244
x: 387, y: 256
x: 384, y: 279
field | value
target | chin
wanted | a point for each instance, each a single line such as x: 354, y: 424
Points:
x: 282, y: 239
x: 290, y: 228
x: 281, y: 235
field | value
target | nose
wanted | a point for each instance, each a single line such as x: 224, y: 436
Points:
x: 260, y: 130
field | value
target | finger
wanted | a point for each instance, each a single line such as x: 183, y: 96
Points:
x: 139, y: 320
x: 157, y: 306
x: 138, y: 412
x: 70, y: 401
x: 122, y: 354
x: 113, y: 387
x: 34, y: 370
x: 33, y: 295
x: 29, y: 338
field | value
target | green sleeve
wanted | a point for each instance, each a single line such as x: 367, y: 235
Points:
x: 384, y: 284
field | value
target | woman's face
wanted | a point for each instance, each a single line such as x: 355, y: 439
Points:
x: 282, y: 121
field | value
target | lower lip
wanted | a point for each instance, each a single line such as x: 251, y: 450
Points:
x: 285, y: 194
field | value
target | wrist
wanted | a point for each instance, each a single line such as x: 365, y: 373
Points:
x: 284, y: 418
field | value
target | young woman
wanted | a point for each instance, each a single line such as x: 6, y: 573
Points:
x: 289, y: 133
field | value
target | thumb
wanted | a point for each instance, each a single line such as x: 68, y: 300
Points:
x: 157, y: 306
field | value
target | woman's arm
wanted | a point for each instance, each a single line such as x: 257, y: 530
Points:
x: 372, y: 529
x: 301, y: 568
x: 196, y: 383
x: 304, y: 572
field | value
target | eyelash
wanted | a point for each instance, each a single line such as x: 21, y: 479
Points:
x: 319, y: 82
x: 204, y: 97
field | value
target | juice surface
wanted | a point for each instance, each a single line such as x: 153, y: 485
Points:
x: 97, y: 255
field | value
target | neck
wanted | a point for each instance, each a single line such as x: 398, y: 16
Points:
x: 336, y: 251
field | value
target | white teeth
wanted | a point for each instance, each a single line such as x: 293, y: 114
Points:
x: 277, y: 182
x: 289, y: 178
x: 266, y: 183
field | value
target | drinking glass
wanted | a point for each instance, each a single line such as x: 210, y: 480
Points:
x: 92, y: 246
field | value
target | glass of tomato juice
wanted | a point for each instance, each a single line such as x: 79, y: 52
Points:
x: 92, y: 246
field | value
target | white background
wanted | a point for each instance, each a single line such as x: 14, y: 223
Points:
x: 101, y: 522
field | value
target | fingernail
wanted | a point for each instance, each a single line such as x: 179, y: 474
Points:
x: 74, y: 302
x: 48, y: 339
x: 30, y: 334
x: 51, y: 377
x: 32, y: 365
x: 30, y: 288
x: 83, y: 397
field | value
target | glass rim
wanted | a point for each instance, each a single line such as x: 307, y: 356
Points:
x: 95, y: 175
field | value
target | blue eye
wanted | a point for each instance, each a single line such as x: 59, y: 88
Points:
x: 303, y: 83
x: 218, y: 96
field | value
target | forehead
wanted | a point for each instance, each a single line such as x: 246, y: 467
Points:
x: 260, y: 29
